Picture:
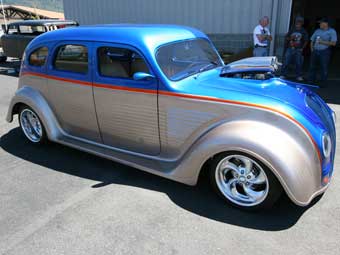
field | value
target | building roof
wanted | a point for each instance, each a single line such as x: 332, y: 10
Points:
x: 143, y: 36
x: 37, y: 22
x: 27, y: 12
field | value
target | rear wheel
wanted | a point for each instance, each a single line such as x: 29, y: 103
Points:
x: 31, y: 125
x: 244, y: 182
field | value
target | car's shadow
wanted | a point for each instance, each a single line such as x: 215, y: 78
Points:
x: 199, y: 199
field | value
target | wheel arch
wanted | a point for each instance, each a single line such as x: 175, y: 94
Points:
x: 283, y: 148
x: 262, y: 160
x: 35, y: 100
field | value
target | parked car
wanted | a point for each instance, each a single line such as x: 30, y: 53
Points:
x: 159, y: 98
x: 3, y: 58
x: 18, y: 34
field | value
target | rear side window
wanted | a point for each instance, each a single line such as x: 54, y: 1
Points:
x: 31, y: 30
x: 38, y: 57
x: 120, y: 62
x: 72, y: 58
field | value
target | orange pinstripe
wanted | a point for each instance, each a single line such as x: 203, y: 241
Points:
x: 174, y: 94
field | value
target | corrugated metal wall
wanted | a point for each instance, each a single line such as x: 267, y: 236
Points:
x: 211, y: 16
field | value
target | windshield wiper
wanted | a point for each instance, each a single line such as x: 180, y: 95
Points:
x: 207, y: 66
x: 182, y: 75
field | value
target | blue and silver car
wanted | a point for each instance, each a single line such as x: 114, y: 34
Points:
x: 159, y: 98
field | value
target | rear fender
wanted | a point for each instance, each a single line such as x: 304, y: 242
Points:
x: 34, y: 99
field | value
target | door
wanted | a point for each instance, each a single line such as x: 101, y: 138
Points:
x: 10, y: 41
x: 70, y: 89
x: 126, y: 108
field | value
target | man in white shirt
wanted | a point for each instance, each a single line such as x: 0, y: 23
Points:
x: 262, y: 38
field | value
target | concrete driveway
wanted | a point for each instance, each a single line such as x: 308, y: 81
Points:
x: 57, y: 200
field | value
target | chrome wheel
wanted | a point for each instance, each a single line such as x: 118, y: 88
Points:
x: 30, y: 125
x: 242, y: 180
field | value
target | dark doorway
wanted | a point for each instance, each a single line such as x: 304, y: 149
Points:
x: 312, y: 11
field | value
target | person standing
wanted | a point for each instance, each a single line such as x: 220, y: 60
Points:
x: 262, y: 38
x: 297, y: 40
x: 321, y: 42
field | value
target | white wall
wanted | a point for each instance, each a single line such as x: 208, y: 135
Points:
x: 211, y: 16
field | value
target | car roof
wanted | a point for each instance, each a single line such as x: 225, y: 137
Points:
x: 143, y: 36
x: 37, y: 22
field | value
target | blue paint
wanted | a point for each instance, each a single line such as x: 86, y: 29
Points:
x: 285, y: 96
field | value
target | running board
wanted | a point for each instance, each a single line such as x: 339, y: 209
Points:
x: 149, y: 165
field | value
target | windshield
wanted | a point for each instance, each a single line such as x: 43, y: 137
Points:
x: 181, y: 59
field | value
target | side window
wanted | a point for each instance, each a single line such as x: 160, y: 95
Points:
x: 71, y: 57
x: 12, y: 30
x: 120, y: 63
x: 38, y: 57
x: 31, y: 30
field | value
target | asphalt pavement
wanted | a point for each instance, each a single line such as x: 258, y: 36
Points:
x: 57, y: 200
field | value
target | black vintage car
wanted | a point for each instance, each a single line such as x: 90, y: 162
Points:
x: 18, y: 34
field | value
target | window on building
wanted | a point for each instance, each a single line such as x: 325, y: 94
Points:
x: 73, y: 58
x: 120, y: 62
x: 38, y: 57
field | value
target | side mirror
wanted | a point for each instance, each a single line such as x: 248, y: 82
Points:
x: 140, y: 76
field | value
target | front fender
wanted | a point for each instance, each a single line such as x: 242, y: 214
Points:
x: 34, y: 99
x: 284, y: 148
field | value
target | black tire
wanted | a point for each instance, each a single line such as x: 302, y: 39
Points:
x: 43, y: 137
x: 3, y: 59
x: 274, y: 190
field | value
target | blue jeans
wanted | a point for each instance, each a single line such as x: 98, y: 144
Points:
x: 322, y: 57
x: 261, y: 52
x: 290, y: 55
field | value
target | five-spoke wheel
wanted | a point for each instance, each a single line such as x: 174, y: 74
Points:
x: 31, y: 125
x: 243, y: 181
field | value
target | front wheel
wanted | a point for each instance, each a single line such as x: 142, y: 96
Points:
x: 31, y: 125
x: 244, y: 182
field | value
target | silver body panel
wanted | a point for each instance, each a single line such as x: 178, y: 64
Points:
x: 128, y: 120
x: 190, y: 132
x: 74, y: 109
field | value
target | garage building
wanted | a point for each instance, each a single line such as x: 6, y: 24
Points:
x: 229, y: 23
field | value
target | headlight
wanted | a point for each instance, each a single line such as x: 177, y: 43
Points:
x: 334, y: 117
x: 326, y: 145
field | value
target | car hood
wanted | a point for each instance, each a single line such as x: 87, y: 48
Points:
x: 259, y: 91
x: 285, y: 96
x: 296, y: 101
